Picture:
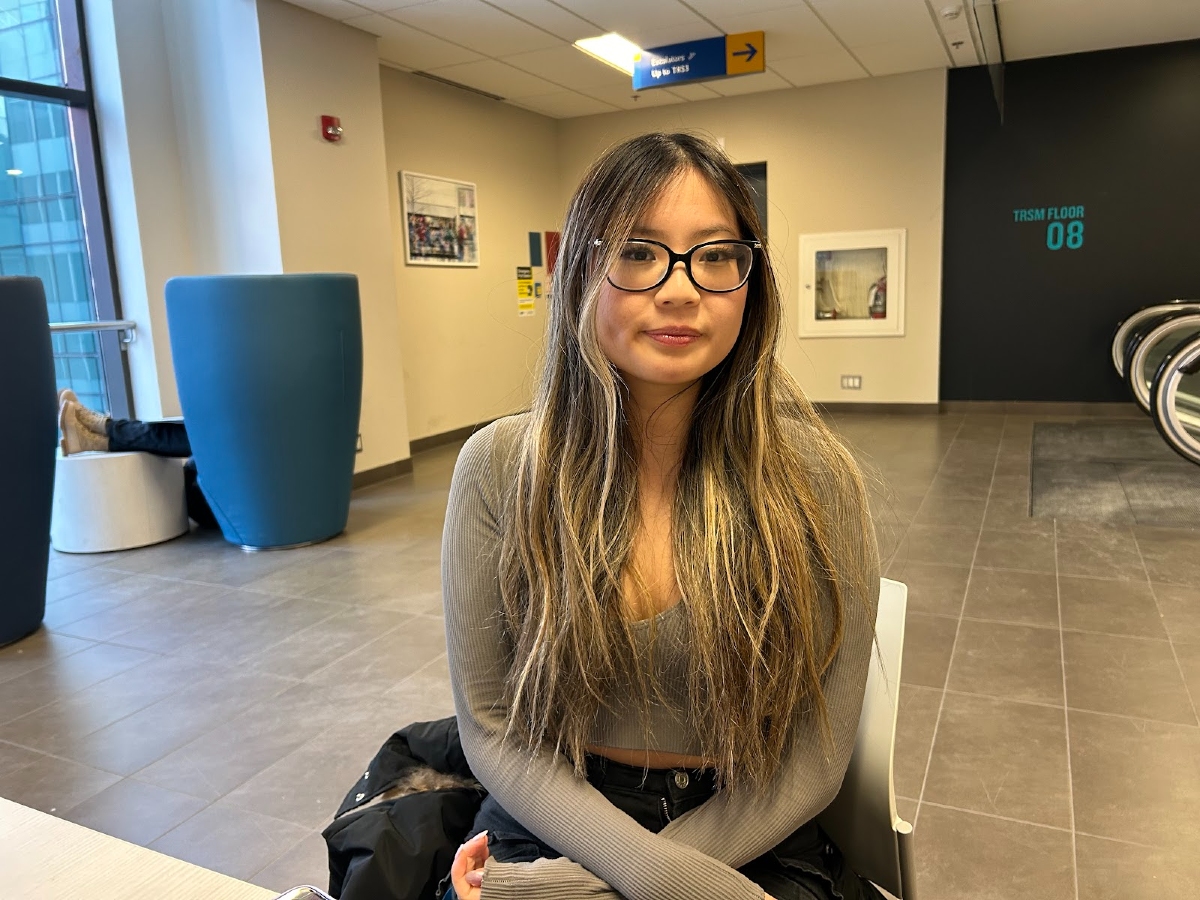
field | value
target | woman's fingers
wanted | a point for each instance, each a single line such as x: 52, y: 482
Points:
x: 466, y: 872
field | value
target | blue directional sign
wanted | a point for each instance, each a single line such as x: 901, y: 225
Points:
x: 718, y: 57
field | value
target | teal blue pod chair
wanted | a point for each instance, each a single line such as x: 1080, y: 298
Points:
x: 269, y: 371
x: 27, y: 455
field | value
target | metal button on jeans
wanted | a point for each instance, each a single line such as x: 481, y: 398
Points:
x: 681, y: 779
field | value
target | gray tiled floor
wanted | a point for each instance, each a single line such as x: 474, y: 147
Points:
x: 216, y: 705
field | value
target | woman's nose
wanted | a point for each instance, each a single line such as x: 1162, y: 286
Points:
x: 678, y: 288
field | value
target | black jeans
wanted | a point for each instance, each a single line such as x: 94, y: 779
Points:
x: 164, y: 439
x: 806, y: 865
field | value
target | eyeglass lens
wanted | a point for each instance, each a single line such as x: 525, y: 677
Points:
x: 715, y: 267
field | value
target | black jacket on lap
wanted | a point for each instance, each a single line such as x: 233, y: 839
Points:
x: 399, y: 849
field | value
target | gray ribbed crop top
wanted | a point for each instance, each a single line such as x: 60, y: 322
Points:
x: 696, y: 855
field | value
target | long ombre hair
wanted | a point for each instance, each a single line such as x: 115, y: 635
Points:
x: 751, y: 543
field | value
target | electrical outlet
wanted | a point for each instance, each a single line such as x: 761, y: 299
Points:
x: 851, y: 382
x: 358, y: 446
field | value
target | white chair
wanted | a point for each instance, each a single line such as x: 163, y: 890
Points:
x: 116, y: 501
x: 862, y: 819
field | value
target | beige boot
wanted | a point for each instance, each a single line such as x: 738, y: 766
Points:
x: 96, y: 423
x: 75, y: 437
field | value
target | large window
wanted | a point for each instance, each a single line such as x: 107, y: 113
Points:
x: 51, y: 211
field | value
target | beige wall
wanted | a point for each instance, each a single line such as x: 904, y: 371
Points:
x: 468, y: 357
x: 332, y: 198
x: 843, y: 157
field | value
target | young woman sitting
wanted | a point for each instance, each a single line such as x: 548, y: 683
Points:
x: 660, y: 584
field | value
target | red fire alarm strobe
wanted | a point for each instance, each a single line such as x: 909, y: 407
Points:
x: 331, y: 128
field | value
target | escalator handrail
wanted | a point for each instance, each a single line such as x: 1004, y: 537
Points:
x: 1135, y: 356
x: 1127, y: 325
x: 1184, y: 359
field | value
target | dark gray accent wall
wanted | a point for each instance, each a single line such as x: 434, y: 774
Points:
x: 1081, y: 207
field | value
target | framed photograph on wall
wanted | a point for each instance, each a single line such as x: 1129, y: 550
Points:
x: 852, y: 284
x: 441, y: 226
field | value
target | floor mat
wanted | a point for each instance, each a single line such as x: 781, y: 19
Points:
x: 1116, y: 473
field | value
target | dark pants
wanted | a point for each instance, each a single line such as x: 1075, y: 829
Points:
x: 164, y: 439
x: 807, y: 865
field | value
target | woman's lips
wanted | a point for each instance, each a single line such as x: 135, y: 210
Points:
x: 674, y: 337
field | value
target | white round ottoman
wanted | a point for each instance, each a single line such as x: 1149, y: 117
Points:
x: 116, y: 501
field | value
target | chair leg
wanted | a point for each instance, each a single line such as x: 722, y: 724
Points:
x: 908, y: 866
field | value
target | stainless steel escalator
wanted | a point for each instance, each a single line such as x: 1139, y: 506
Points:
x: 1157, y: 352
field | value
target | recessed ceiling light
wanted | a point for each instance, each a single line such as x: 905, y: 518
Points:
x: 612, y: 49
x: 15, y: 172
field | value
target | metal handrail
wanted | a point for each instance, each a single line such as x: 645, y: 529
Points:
x: 1176, y: 412
x: 126, y: 328
x: 1121, y: 338
x: 1175, y: 326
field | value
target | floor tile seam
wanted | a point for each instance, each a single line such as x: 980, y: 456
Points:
x: 57, y: 757
x: 284, y: 853
x: 1069, y: 709
x: 1170, y: 641
x: 263, y: 648
x: 49, y: 662
x: 207, y: 801
x: 254, y: 812
x: 1126, y: 841
x: 950, y: 665
x: 979, y: 812
x: 63, y: 813
x: 359, y: 649
x: 1065, y: 630
x: 1062, y: 658
x: 28, y: 712
x: 194, y: 769
x: 99, y: 612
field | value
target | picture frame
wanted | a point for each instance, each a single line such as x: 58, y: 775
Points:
x: 852, y: 284
x: 441, y: 220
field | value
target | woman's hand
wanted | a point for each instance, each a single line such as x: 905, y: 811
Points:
x: 466, y: 873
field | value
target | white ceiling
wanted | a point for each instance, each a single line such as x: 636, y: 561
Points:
x: 521, y: 50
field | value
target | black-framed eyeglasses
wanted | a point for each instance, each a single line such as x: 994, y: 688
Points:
x: 717, y: 267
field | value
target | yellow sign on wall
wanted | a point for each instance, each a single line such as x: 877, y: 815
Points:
x: 745, y: 53
x: 526, y: 292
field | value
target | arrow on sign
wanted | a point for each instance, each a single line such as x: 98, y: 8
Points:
x: 750, y: 52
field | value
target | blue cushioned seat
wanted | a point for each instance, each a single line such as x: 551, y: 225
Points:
x: 27, y: 455
x: 269, y: 370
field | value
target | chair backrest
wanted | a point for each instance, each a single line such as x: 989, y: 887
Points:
x: 862, y: 819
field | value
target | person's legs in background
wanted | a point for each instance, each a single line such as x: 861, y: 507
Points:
x: 85, y: 430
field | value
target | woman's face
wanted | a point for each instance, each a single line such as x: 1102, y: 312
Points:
x: 664, y: 339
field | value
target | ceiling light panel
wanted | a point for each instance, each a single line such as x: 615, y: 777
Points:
x: 569, y: 67
x: 476, y: 25
x: 612, y: 50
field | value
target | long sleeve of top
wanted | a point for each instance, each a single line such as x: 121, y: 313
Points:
x: 695, y: 855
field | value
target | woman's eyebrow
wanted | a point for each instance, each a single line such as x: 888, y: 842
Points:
x: 699, y: 234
